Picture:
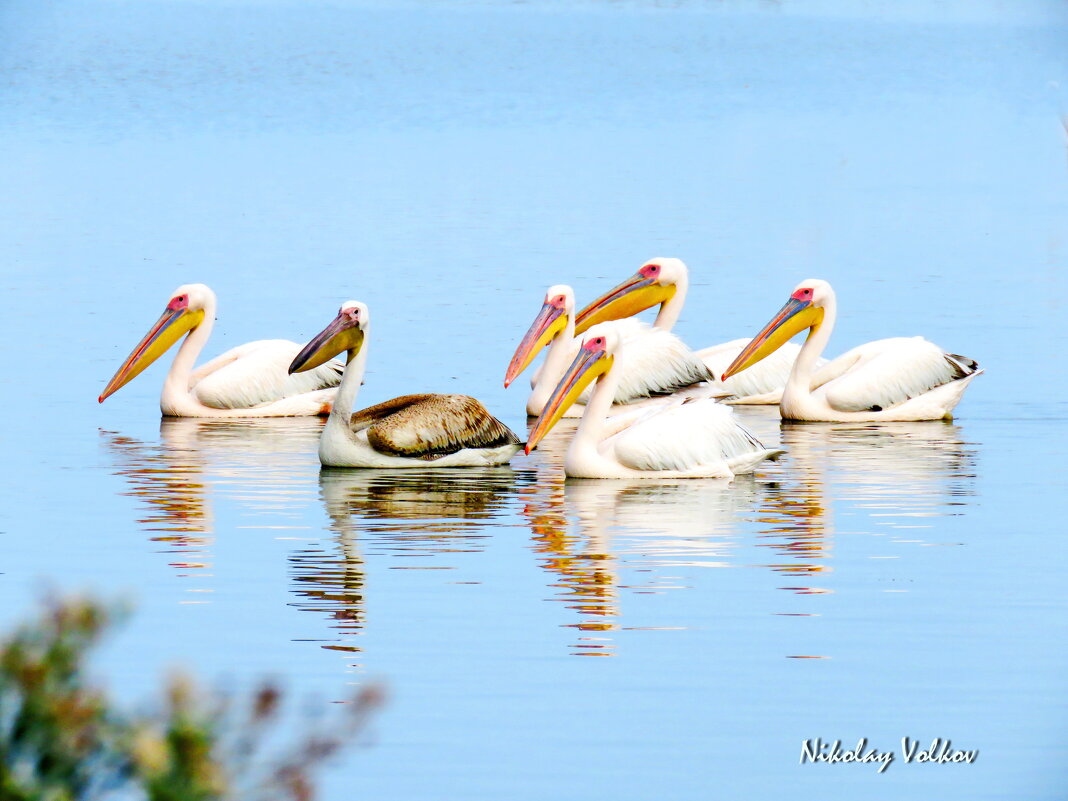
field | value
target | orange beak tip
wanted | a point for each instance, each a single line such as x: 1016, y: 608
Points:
x: 723, y: 377
x: 100, y: 399
x: 507, y: 381
x: 527, y: 449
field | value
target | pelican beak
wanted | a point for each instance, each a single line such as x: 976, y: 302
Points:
x: 549, y: 322
x: 592, y: 361
x: 634, y: 295
x: 169, y: 328
x: 794, y: 317
x: 344, y: 333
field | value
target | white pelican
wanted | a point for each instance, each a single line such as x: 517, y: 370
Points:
x: 247, y: 381
x: 695, y: 438
x: 902, y: 379
x: 409, y: 431
x: 665, y: 281
x: 658, y: 362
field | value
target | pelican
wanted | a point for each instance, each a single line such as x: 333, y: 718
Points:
x: 247, y: 381
x: 665, y: 281
x: 695, y: 438
x: 409, y: 431
x: 658, y: 364
x: 899, y: 379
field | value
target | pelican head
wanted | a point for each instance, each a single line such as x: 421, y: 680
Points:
x: 559, y: 305
x: 185, y: 311
x: 803, y: 310
x: 345, y: 333
x: 655, y: 283
x: 594, y: 359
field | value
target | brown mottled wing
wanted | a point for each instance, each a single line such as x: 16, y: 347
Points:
x: 430, y: 426
x: 372, y: 414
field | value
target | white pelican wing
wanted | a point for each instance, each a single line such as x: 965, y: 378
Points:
x: 882, y: 374
x: 259, y: 373
x: 687, y: 436
x: 431, y: 426
x: 223, y: 359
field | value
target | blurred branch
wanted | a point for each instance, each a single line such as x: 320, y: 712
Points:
x: 62, y: 739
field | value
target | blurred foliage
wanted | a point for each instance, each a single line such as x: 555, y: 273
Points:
x: 62, y: 739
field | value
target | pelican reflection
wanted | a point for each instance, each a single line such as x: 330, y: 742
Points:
x: 421, y: 512
x: 420, y: 518
x: 256, y: 462
x: 603, y: 538
x: 894, y: 475
x: 173, y: 504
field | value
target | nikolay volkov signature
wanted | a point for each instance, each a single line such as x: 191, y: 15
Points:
x: 940, y: 752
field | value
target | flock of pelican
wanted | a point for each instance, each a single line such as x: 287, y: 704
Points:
x: 650, y: 406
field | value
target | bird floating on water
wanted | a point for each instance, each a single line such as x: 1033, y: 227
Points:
x: 694, y: 438
x: 898, y: 379
x: 250, y: 380
x: 410, y: 431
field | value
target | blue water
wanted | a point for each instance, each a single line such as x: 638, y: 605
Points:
x: 445, y: 163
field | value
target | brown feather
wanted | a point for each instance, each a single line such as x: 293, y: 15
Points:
x: 380, y: 411
x: 431, y: 426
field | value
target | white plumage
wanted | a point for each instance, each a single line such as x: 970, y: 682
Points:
x: 692, y: 435
x: 659, y: 364
x: 897, y: 379
x: 257, y: 373
x: 884, y: 374
x: 251, y: 380
x: 693, y: 438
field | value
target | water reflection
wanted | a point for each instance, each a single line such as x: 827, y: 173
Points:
x: 604, y: 538
x: 650, y: 535
x: 600, y: 540
x: 584, y: 569
x: 890, y: 474
x: 412, y: 516
x: 590, y: 533
x: 259, y: 463
x: 419, y: 513
x: 174, y: 508
x: 898, y: 471
x: 262, y: 464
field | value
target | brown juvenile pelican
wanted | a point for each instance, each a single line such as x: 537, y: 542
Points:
x: 409, y: 431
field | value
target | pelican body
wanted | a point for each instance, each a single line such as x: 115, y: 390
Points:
x: 898, y: 379
x: 409, y: 431
x: 659, y: 364
x: 250, y: 380
x: 693, y: 438
x: 665, y: 281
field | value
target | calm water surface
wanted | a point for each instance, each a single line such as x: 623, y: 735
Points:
x: 541, y: 637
